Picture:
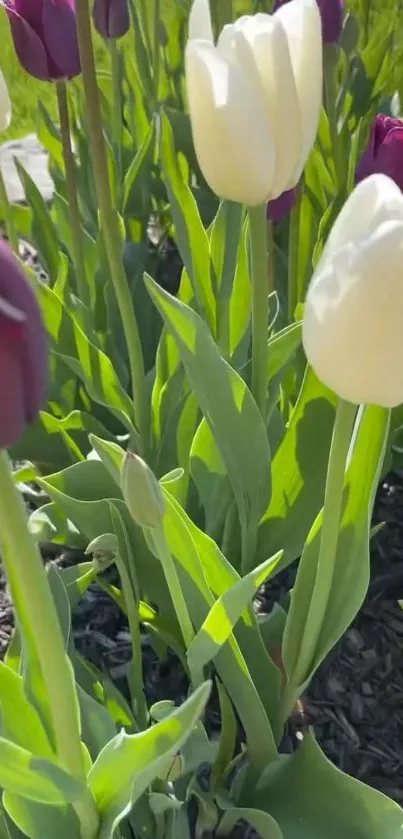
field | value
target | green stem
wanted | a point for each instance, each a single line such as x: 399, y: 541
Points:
x: 135, y: 675
x: 176, y: 593
x: 110, y: 225
x: 293, y: 248
x: 330, y: 55
x: 6, y: 209
x: 117, y: 113
x: 156, y: 61
x: 332, y: 513
x: 38, y: 617
x: 261, y: 288
x: 72, y: 194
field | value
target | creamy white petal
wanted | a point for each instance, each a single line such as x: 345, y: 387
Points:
x: 302, y: 24
x: 5, y: 104
x: 200, y: 26
x: 230, y: 126
x: 352, y: 327
x: 269, y: 44
x: 375, y: 199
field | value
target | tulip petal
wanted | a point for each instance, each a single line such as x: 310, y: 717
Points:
x: 390, y: 156
x: 200, y: 27
x: 23, y: 349
x: 302, y: 24
x: 374, y: 200
x: 5, y: 104
x: 269, y: 44
x: 60, y: 37
x: 231, y: 130
x: 28, y: 46
x: 352, y: 328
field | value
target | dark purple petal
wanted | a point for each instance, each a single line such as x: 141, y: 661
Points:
x: 111, y: 18
x: 277, y: 209
x: 60, y: 37
x: 384, y: 153
x: 28, y: 46
x: 23, y: 350
x: 31, y: 11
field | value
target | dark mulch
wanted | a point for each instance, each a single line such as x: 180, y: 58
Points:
x: 355, y: 702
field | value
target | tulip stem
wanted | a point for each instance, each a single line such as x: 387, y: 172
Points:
x: 38, y: 618
x: 332, y: 514
x: 261, y: 288
x: 72, y: 194
x: 117, y: 113
x: 293, y: 290
x: 110, y: 226
x: 6, y: 209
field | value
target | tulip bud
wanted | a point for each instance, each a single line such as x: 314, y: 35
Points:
x: 254, y: 99
x: 45, y: 37
x: 5, y: 104
x: 111, y: 18
x: 352, y: 326
x: 385, y: 150
x: 281, y: 206
x: 331, y: 13
x: 23, y: 351
x: 141, y: 491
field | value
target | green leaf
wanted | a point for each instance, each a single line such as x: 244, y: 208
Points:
x: 229, y: 409
x: 225, y: 613
x: 259, y: 821
x: 39, y: 821
x: 76, y: 579
x: 225, y: 239
x: 191, y: 236
x: 43, y: 230
x: 227, y: 742
x: 111, y: 455
x: 20, y: 722
x: 136, y: 195
x: 35, y: 778
x: 351, y: 569
x: 88, y: 362
x: 282, y: 347
x: 129, y: 763
x: 299, y: 473
x: 311, y: 799
x: 210, y: 476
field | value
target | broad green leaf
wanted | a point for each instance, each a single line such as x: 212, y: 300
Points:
x: 225, y: 239
x: 351, y: 569
x: 50, y: 524
x: 282, y: 347
x: 39, y: 821
x: 111, y: 455
x: 89, y: 363
x: 129, y: 763
x: 225, y: 613
x: 260, y: 822
x: 20, y: 722
x: 299, y: 473
x: 136, y: 196
x: 190, y: 234
x: 311, y: 799
x: 36, y: 778
x: 204, y: 570
x: 77, y: 578
x: 210, y: 476
x: 230, y: 411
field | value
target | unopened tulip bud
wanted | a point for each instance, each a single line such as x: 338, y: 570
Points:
x: 5, y: 104
x: 23, y: 351
x: 352, y: 326
x: 254, y: 99
x: 385, y: 150
x: 141, y: 491
x: 331, y: 12
x: 45, y: 37
x: 111, y: 18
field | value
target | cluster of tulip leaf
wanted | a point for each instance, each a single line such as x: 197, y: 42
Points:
x: 226, y: 496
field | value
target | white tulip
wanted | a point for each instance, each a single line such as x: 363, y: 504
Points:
x: 5, y: 104
x: 255, y: 98
x: 353, y: 317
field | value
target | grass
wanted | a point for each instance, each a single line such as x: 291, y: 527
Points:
x: 26, y: 92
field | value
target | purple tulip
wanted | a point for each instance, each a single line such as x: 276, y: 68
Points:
x: 331, y: 12
x: 23, y: 350
x: 45, y: 37
x: 111, y: 18
x: 384, y: 154
x: 281, y: 206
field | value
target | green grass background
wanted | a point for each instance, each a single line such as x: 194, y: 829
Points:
x: 26, y: 92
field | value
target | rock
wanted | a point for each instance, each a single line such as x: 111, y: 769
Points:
x: 34, y: 158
